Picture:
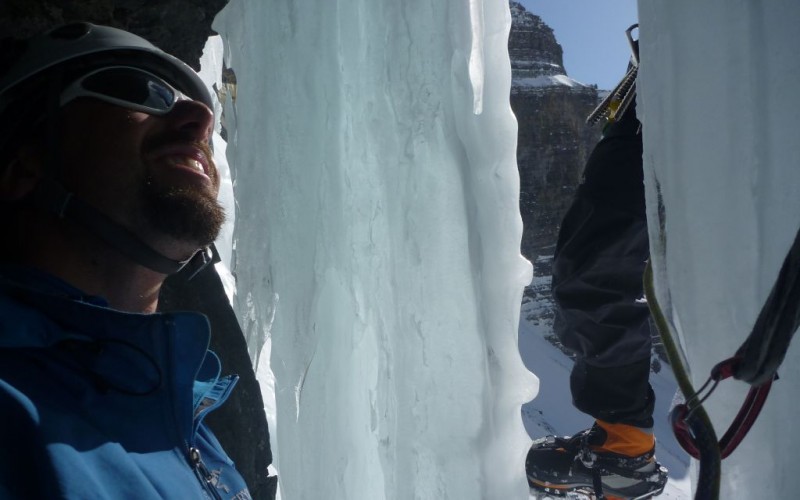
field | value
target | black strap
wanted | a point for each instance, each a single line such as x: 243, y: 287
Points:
x: 597, y: 484
x: 764, y: 350
x: 51, y: 196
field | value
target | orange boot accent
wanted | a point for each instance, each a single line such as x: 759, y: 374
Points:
x: 626, y: 439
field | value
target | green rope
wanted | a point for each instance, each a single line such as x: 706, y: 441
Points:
x: 700, y: 423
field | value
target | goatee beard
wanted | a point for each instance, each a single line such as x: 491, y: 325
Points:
x: 183, y: 214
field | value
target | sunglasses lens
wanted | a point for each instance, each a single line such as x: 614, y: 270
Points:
x: 132, y: 86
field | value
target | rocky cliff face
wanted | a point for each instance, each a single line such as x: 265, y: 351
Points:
x: 553, y: 145
x: 554, y: 140
x: 180, y: 27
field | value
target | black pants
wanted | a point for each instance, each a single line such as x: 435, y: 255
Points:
x: 599, y: 261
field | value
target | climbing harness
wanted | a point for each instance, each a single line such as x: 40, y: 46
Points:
x: 618, y: 100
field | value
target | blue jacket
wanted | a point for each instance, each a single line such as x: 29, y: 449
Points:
x: 98, y: 403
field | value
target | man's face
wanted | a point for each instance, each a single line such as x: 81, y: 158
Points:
x: 152, y: 174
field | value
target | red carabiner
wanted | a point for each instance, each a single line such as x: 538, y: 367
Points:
x: 741, y: 424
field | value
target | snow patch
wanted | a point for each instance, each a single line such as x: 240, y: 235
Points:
x: 547, y: 81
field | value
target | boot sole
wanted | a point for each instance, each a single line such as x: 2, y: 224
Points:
x: 586, y: 490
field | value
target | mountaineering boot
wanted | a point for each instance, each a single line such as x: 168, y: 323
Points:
x: 608, y: 461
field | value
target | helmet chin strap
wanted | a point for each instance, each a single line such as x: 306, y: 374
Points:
x: 51, y: 196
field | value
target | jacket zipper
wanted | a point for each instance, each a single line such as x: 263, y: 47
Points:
x: 202, y: 473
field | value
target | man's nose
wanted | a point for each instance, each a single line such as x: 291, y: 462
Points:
x: 192, y: 118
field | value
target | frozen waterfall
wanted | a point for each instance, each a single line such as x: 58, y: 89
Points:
x: 377, y: 243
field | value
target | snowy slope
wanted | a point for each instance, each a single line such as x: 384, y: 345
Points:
x: 718, y: 96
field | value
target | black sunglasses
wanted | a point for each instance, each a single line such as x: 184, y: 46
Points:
x: 125, y: 86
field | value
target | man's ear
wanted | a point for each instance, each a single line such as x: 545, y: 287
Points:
x: 21, y: 175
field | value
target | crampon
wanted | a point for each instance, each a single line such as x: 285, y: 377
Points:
x: 567, y: 468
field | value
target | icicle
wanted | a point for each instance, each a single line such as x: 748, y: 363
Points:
x: 476, y: 70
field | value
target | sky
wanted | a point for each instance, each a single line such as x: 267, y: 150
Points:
x: 592, y: 34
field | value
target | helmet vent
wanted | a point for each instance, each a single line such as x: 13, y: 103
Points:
x: 71, y: 31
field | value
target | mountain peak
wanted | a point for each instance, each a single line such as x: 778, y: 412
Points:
x: 536, y: 56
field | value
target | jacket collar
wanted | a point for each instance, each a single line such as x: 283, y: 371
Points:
x: 38, y: 310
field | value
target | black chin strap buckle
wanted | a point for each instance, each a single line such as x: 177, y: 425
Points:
x: 199, y: 261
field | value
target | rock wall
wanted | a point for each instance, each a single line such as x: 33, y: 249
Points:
x: 180, y: 27
x: 553, y: 145
x: 554, y: 140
